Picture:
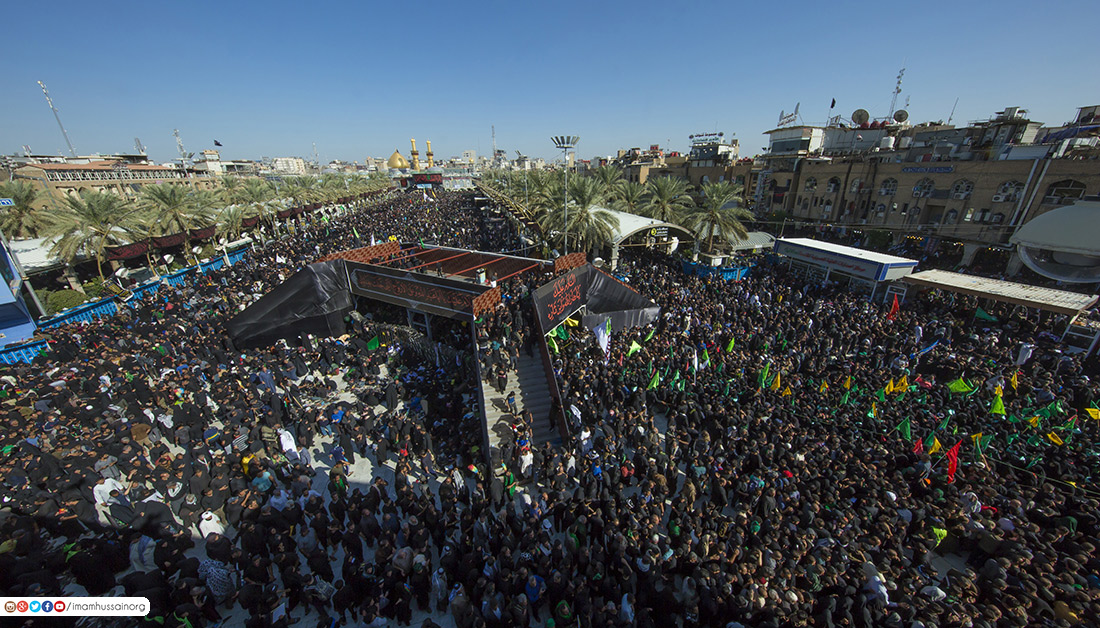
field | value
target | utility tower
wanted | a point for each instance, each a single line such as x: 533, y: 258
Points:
x: 57, y: 116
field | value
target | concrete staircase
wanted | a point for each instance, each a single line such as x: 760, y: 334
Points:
x: 532, y: 393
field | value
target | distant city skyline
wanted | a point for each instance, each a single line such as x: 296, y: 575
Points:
x: 360, y: 80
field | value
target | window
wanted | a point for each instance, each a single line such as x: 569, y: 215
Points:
x: 998, y: 218
x: 1064, y: 191
x: 889, y: 187
x: 856, y: 186
x: 1011, y: 190
x: 923, y: 188
x: 962, y: 189
x: 811, y: 185
x: 834, y: 185
x: 951, y: 217
x: 969, y: 215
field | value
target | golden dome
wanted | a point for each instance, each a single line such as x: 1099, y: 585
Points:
x: 397, y: 162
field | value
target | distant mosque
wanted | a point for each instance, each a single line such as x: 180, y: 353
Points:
x: 410, y: 176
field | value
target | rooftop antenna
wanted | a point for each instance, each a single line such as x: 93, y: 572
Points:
x: 897, y: 90
x: 138, y: 145
x: 26, y: 150
x: 494, y: 128
x: 316, y: 161
x: 49, y: 101
x: 185, y: 157
x: 952, y: 116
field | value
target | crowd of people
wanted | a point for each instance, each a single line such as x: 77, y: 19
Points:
x: 768, y: 452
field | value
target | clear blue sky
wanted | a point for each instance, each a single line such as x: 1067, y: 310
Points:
x: 361, y: 78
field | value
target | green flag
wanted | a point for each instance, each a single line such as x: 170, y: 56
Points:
x: 729, y: 347
x: 959, y: 386
x: 649, y: 335
x: 551, y: 343
x: 356, y: 232
x: 945, y: 423
x: 562, y: 332
x: 373, y: 344
x: 905, y: 429
x: 706, y: 359
x: 998, y: 406
x: 653, y: 381
x: 634, y: 348
x: 940, y: 533
x: 764, y: 373
x: 881, y: 395
x: 982, y: 315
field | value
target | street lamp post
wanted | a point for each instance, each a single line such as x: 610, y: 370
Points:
x: 564, y: 143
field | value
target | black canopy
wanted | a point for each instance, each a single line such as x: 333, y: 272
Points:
x: 313, y: 301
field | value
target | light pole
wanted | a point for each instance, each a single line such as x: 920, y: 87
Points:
x: 564, y: 143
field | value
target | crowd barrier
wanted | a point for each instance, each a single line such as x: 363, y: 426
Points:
x: 108, y: 306
x: 729, y: 273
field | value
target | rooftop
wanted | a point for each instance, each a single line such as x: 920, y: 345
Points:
x: 1049, y: 299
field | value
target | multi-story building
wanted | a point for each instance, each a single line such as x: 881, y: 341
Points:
x: 712, y: 157
x: 121, y: 174
x: 289, y: 165
x: 974, y: 185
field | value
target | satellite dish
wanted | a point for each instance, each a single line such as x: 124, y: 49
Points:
x: 123, y: 272
x: 221, y: 241
x: 860, y: 116
x: 168, y: 259
x: 901, y: 115
x: 196, y: 249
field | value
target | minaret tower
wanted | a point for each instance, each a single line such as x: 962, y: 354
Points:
x: 429, y: 154
x: 415, y: 156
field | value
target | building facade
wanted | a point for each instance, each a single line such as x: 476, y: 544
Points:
x: 973, y: 186
x: 116, y: 176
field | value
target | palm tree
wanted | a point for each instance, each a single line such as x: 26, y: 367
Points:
x: 301, y: 189
x: 608, y: 176
x: 668, y: 199
x: 720, y: 213
x: 590, y: 226
x: 629, y: 196
x: 88, y: 224
x: 258, y: 195
x: 22, y: 219
x: 231, y: 219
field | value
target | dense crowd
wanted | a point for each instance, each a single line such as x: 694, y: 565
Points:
x: 767, y: 453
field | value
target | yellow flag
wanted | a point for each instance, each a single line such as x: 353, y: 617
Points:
x: 935, y: 445
x: 848, y: 383
x: 1054, y: 438
x: 1033, y: 421
x: 775, y: 383
x: 874, y: 410
x: 825, y: 386
x: 999, y: 391
x: 902, y: 385
x: 1015, y: 381
x: 976, y: 437
x: 889, y: 387
x: 787, y: 392
x: 1093, y: 413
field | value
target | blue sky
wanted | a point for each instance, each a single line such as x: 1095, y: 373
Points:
x: 361, y: 78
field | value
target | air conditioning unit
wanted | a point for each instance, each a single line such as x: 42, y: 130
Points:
x: 959, y: 196
x: 1000, y: 198
x: 884, y: 192
x: 918, y: 193
x: 1052, y: 200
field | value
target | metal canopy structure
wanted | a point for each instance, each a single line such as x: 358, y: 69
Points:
x: 1049, y: 299
x: 445, y: 281
x: 755, y: 240
x: 847, y: 260
x: 631, y: 224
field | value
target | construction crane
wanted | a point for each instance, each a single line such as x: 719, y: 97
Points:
x: 139, y: 146
x: 57, y: 116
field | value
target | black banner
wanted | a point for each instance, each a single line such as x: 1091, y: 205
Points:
x: 416, y: 291
x: 555, y: 301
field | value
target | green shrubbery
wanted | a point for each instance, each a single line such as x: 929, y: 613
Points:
x: 63, y: 300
